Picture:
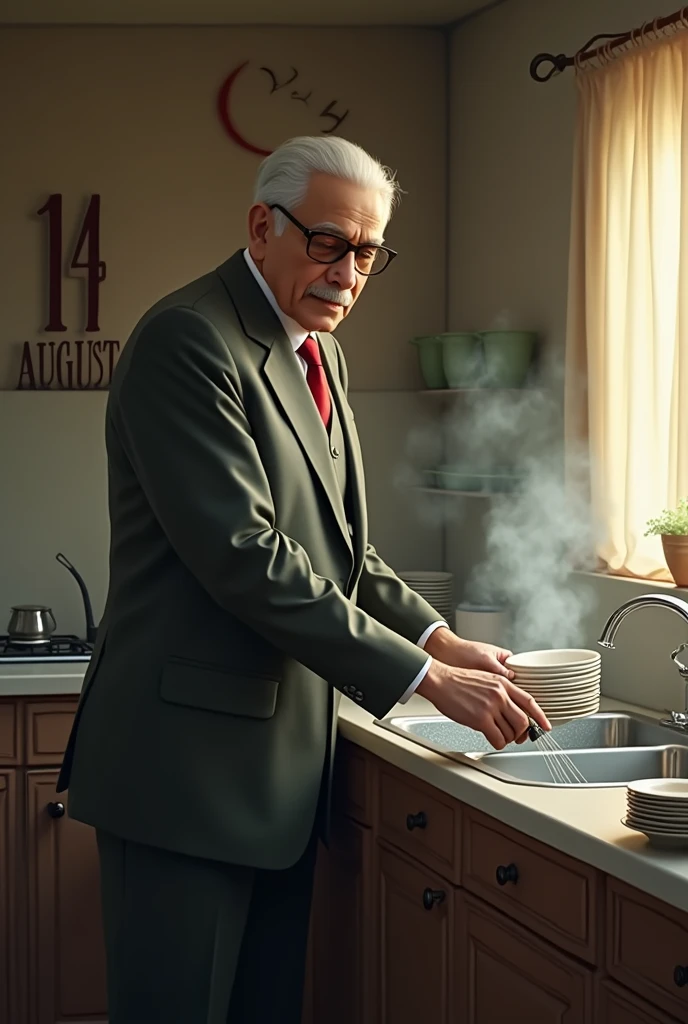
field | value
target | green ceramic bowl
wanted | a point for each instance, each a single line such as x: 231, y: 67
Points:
x: 461, y: 358
x: 508, y: 356
x: 430, y: 359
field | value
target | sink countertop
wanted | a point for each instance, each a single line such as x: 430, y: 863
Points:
x: 586, y: 824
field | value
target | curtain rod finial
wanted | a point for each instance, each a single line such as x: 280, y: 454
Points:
x: 559, y: 63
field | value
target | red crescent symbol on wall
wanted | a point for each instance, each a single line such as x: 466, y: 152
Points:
x: 223, y: 109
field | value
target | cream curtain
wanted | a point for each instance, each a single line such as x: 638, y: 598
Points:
x: 627, y: 334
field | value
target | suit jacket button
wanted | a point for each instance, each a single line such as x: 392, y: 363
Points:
x: 359, y: 696
x: 335, y: 452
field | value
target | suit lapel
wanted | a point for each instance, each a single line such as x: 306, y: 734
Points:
x: 284, y: 378
x: 355, y: 475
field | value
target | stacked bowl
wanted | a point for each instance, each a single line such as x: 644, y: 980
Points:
x: 565, y: 683
x: 436, y: 587
x: 659, y: 809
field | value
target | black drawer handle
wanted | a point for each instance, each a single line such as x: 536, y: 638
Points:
x: 433, y: 896
x: 507, y: 874
x: 419, y: 820
x: 681, y: 976
x: 56, y: 810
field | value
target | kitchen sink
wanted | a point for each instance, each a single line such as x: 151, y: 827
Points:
x: 607, y: 749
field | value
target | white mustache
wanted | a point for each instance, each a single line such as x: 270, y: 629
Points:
x: 323, y: 291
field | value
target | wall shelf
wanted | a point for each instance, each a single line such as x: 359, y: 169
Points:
x: 460, y: 494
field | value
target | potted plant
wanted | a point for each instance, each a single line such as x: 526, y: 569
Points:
x: 672, y: 527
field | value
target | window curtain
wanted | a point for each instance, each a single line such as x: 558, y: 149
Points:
x: 627, y: 330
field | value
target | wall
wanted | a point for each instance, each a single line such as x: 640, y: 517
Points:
x: 511, y: 149
x: 130, y: 113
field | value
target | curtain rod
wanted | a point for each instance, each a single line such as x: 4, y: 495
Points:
x: 560, y: 61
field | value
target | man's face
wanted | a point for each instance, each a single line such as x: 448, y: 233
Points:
x: 332, y: 205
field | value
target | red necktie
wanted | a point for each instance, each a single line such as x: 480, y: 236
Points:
x: 315, y: 377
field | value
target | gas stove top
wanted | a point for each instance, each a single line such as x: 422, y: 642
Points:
x: 57, y: 648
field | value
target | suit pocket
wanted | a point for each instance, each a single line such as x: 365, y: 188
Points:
x: 211, y: 688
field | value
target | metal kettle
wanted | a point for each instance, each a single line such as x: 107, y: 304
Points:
x: 31, y: 623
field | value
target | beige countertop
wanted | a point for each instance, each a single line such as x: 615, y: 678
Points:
x: 584, y: 823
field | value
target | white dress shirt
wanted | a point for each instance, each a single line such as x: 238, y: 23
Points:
x: 297, y: 335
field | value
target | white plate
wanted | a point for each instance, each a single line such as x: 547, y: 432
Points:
x: 673, y: 828
x: 545, y: 661
x: 564, y: 679
x: 575, y: 709
x: 561, y: 692
x: 426, y: 576
x: 555, y: 720
x: 662, y: 840
x: 667, y: 806
x: 675, y: 789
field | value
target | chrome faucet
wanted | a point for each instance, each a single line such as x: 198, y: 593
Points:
x: 674, y: 604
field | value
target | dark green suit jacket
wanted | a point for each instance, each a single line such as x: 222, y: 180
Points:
x: 237, y: 597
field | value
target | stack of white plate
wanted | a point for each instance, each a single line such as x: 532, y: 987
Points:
x: 565, y: 683
x: 436, y: 587
x: 659, y: 809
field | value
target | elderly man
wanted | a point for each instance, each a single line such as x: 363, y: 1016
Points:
x: 243, y: 594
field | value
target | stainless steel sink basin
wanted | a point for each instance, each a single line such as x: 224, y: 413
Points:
x: 615, y: 766
x: 608, y: 749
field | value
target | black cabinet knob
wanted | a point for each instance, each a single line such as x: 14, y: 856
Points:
x: 507, y: 874
x: 681, y: 976
x: 433, y: 896
x: 419, y: 820
x: 55, y: 810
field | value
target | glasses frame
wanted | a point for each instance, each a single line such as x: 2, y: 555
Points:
x: 350, y: 247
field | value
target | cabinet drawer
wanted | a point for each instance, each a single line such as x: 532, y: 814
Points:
x: 547, y: 891
x: 647, y: 947
x: 10, y: 732
x: 421, y: 821
x: 48, y: 724
x: 615, y: 1006
x: 353, y: 786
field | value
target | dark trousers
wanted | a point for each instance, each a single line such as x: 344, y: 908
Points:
x: 191, y: 941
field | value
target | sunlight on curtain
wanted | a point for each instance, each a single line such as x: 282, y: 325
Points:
x: 627, y: 335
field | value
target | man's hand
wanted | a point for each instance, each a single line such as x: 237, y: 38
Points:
x: 447, y: 647
x: 469, y: 683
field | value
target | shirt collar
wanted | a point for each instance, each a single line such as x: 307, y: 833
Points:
x: 294, y: 331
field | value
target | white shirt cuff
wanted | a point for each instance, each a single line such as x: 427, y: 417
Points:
x: 421, y: 642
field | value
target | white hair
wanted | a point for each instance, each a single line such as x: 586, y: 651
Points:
x: 283, y: 177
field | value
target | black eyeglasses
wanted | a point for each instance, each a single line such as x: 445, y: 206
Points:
x: 322, y: 247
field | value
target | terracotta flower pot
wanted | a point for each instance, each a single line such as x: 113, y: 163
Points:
x: 676, y: 554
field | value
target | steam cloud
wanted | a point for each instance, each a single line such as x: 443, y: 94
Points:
x: 535, y: 536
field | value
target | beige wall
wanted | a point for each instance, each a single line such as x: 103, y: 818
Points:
x: 511, y: 148
x: 130, y: 113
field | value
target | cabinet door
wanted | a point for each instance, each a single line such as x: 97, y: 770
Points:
x: 66, y: 950
x: 512, y: 976
x: 415, y: 934
x: 615, y: 1006
x: 8, y: 886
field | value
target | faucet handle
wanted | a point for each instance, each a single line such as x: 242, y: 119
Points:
x: 683, y: 669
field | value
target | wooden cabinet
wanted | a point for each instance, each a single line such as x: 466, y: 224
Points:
x: 8, y: 885
x: 545, y: 890
x: 66, y: 951
x: 420, y: 820
x: 511, y: 976
x: 615, y: 1006
x: 416, y: 942
x: 52, y: 963
x: 647, y: 947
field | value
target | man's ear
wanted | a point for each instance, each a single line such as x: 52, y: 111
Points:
x: 259, y: 227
